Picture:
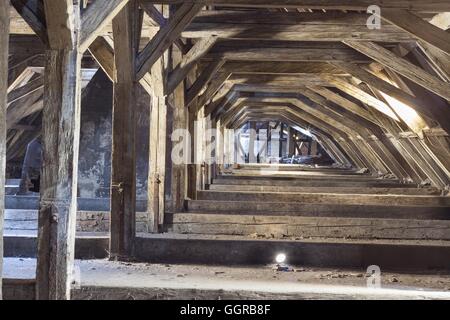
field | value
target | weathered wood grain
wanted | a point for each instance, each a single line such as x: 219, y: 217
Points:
x: 61, y: 129
x: 123, y: 158
x: 96, y: 17
x: 403, y: 67
x: 4, y: 45
x: 166, y: 36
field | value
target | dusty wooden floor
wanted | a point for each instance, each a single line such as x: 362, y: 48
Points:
x: 102, y: 279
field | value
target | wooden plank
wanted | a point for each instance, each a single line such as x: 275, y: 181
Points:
x: 166, y: 36
x: 123, y: 157
x: 419, y: 28
x: 200, y: 48
x: 403, y: 67
x: 97, y: 15
x: 4, y: 49
x: 61, y: 130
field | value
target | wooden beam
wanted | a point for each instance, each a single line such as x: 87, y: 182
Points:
x: 386, y: 87
x: 203, y: 79
x: 25, y: 90
x: 18, y: 76
x: 22, y: 108
x: 403, y: 67
x: 123, y: 157
x: 103, y: 53
x: 212, y: 88
x: 419, y: 28
x: 281, y: 67
x: 60, y: 25
x: 345, y: 103
x: 359, y: 5
x: 61, y: 130
x: 166, y: 36
x: 4, y: 45
x: 362, y: 96
x: 157, y: 157
x: 153, y: 13
x: 439, y: 60
x: 200, y: 48
x: 297, y: 32
x: 97, y: 15
x: 281, y: 80
x: 178, y: 172
x: 306, y: 53
x: 32, y: 13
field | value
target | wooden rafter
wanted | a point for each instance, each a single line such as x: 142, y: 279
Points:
x: 96, y: 17
x: 166, y: 36
x: 403, y: 67
x: 419, y: 28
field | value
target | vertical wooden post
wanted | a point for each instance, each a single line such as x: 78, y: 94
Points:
x: 123, y: 158
x: 251, y: 143
x: 158, y: 127
x: 199, y: 144
x: 178, y: 171
x: 158, y: 141
x: 61, y: 131
x: 192, y: 167
x: 292, y: 142
x: 4, y: 47
x: 220, y: 147
x: 280, y: 153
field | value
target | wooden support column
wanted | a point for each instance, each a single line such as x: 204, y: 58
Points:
x: 220, y: 148
x: 61, y: 130
x: 4, y: 47
x: 179, y: 122
x: 192, y: 167
x: 123, y: 158
x: 158, y: 142
x: 199, y: 145
x: 292, y: 142
x: 251, y: 143
x: 157, y: 162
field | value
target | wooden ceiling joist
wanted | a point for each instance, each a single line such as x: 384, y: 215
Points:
x: 358, y: 5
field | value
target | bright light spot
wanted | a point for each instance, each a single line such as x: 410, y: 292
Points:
x: 305, y: 132
x: 281, y: 258
x: 408, y: 114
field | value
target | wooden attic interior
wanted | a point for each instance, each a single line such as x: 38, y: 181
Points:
x: 375, y: 98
